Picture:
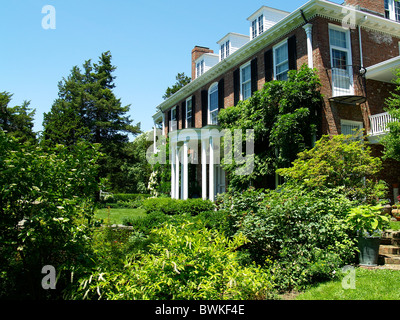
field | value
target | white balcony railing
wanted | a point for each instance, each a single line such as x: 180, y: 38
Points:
x: 378, y: 123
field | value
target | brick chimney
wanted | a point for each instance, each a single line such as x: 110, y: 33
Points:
x: 370, y: 6
x: 197, y: 52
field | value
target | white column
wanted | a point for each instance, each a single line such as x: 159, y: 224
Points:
x: 177, y: 173
x: 204, y: 169
x: 308, y: 29
x: 173, y: 175
x: 185, y: 176
x: 211, y: 172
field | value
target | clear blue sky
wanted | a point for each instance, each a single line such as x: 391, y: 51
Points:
x: 150, y: 41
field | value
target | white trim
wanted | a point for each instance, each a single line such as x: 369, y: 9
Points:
x: 274, y: 48
x: 344, y: 122
x: 212, y: 87
x: 186, y: 112
x: 247, y: 64
x: 291, y: 22
x: 349, y: 63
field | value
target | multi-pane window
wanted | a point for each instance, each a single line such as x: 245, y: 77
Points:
x: 199, y: 68
x: 340, y: 61
x: 213, y: 103
x: 245, y: 80
x: 281, y: 61
x: 387, y: 9
x: 257, y: 26
x: 173, y: 123
x: 225, y: 47
x: 260, y: 24
x: 392, y: 10
x: 254, y: 29
x: 189, y: 113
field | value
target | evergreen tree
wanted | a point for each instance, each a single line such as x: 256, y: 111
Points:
x: 87, y: 109
x: 181, y: 81
x: 18, y: 120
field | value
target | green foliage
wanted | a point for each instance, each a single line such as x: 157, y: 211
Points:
x: 339, y: 161
x: 88, y: 110
x: 284, y: 116
x: 391, y: 141
x: 367, y: 219
x: 186, y: 262
x: 18, y: 120
x: 301, y: 234
x: 174, y: 206
x: 181, y: 81
x: 46, y: 207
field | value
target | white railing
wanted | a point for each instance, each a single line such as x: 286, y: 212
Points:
x: 378, y: 123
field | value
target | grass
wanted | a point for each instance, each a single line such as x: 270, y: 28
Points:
x: 117, y: 215
x: 394, y: 225
x: 374, y: 284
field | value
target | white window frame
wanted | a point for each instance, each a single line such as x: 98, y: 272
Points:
x: 254, y: 33
x: 274, y: 49
x: 340, y: 91
x: 344, y: 122
x: 200, y: 68
x: 260, y: 24
x: 392, y: 15
x: 189, y: 122
x: 213, y: 88
x: 173, y: 122
x: 225, y: 49
x: 246, y: 65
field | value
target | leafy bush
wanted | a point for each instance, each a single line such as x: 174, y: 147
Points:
x: 339, y: 161
x: 47, y: 206
x: 303, y: 233
x: 174, y: 206
x: 185, y: 262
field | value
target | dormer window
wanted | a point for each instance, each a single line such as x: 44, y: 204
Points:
x: 199, y: 68
x: 392, y: 10
x: 257, y: 26
x: 225, y: 50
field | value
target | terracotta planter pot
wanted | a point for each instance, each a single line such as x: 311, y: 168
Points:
x: 396, y: 213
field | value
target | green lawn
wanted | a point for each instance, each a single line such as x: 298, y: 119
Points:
x: 117, y: 215
x: 375, y: 284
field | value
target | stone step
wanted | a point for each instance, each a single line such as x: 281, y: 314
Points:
x: 389, y: 259
x: 389, y: 249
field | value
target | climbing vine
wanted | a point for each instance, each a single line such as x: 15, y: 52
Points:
x: 284, y: 117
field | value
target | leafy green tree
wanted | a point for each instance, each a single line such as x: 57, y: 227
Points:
x: 284, y: 118
x: 339, y: 161
x: 87, y: 109
x: 18, y: 120
x: 181, y: 81
x: 46, y: 208
x: 391, y: 141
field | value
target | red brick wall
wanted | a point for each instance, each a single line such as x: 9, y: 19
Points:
x: 197, y: 52
x: 370, y: 5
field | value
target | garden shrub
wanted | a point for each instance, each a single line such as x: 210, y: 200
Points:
x: 185, y: 262
x: 173, y: 206
x: 47, y: 202
x: 303, y: 233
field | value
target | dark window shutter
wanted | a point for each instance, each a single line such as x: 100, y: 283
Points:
x: 269, y: 66
x: 292, y: 53
x: 204, y: 107
x: 221, y: 94
x: 193, y: 110
x: 183, y: 112
x: 169, y: 119
x: 236, y: 86
x: 254, y: 75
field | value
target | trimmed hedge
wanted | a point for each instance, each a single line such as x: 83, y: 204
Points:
x: 173, y: 206
x: 126, y: 197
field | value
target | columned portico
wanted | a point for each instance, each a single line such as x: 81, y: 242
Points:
x: 183, y: 142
